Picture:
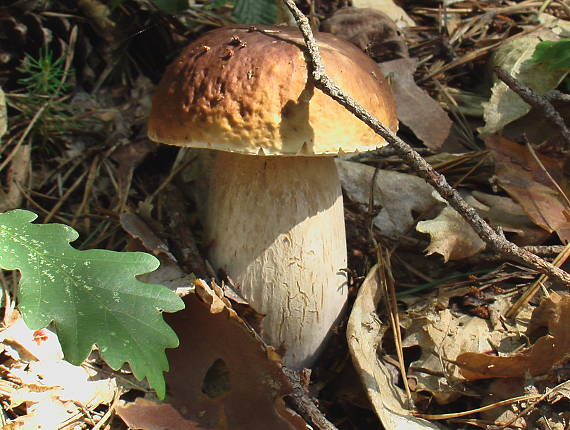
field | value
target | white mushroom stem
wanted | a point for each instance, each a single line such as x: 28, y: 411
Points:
x: 277, y: 229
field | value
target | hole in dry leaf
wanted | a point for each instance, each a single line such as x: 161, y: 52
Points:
x: 217, y: 380
x: 411, y: 354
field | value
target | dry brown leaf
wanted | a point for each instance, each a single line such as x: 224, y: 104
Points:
x: 441, y: 336
x: 25, y: 344
x: 143, y: 414
x: 16, y: 178
x: 169, y: 273
x: 399, y: 194
x: 416, y: 109
x: 390, y: 8
x: 363, y: 334
x: 128, y: 157
x: 509, y: 215
x: 536, y: 128
x: 52, y: 389
x: 138, y: 229
x: 371, y: 30
x: 19, y: 170
x: 46, y: 412
x: 503, y: 389
x: 222, y: 376
x: 451, y: 236
x: 526, y: 182
x: 539, y: 359
x: 560, y: 391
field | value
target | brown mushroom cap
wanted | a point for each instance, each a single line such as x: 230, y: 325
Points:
x: 248, y: 90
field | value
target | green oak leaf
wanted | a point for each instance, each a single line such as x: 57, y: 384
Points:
x: 92, y: 296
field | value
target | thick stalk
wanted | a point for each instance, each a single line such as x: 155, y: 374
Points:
x: 277, y: 228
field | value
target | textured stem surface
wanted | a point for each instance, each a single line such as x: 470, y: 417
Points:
x: 277, y: 228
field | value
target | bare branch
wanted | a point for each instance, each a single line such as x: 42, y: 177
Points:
x: 536, y: 101
x: 416, y: 162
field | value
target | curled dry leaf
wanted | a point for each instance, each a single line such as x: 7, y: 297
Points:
x: 402, y: 195
x: 364, y: 334
x: 440, y: 335
x: 560, y: 391
x: 451, y: 236
x: 527, y: 183
x: 549, y: 350
x: 222, y: 376
x: 169, y: 273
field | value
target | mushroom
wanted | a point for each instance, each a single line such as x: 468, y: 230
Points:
x: 274, y: 211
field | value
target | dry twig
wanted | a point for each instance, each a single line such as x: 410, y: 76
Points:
x: 533, y: 405
x: 386, y: 280
x: 304, y: 405
x: 413, y: 159
x: 536, y: 285
x: 450, y: 415
x: 557, y: 96
x: 536, y: 101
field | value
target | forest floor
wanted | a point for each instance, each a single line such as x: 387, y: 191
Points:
x: 481, y: 338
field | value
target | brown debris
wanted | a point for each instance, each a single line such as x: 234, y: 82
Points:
x: 537, y: 101
x: 416, y: 108
x: 16, y: 178
x: 144, y: 414
x: 452, y: 44
x: 138, y: 229
x: 546, y: 353
x: 529, y: 185
x: 372, y: 31
x: 222, y: 375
